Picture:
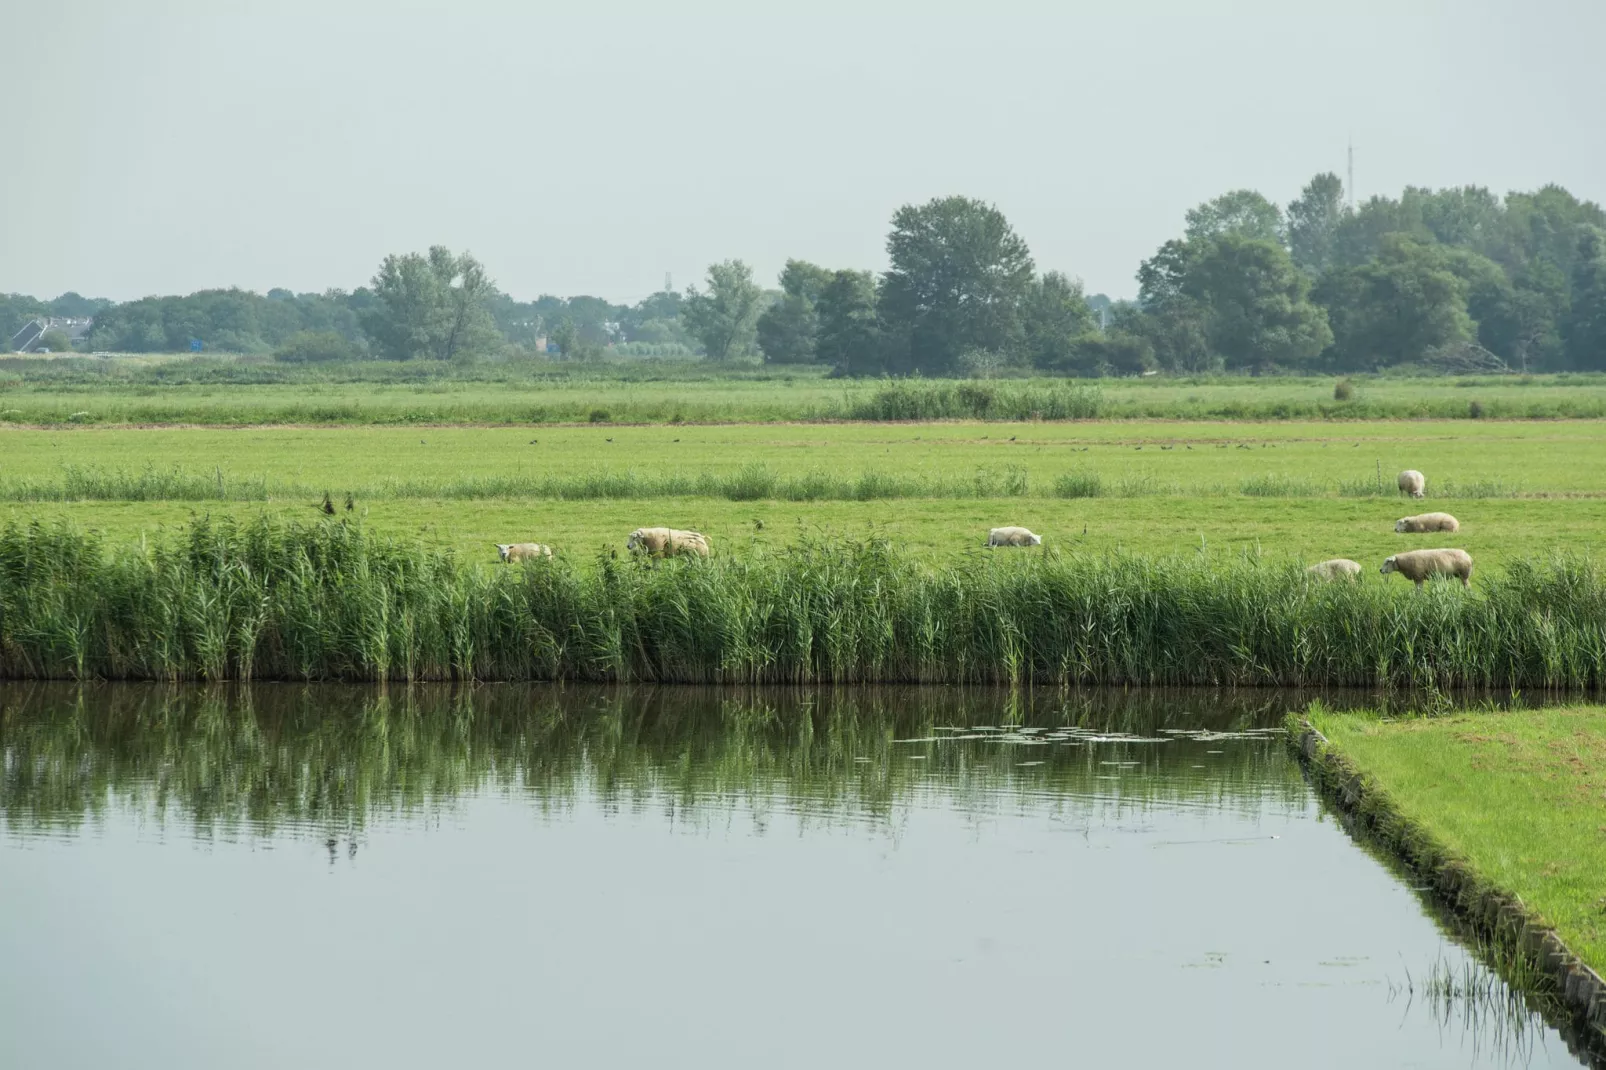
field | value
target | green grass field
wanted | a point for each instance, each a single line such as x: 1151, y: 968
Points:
x: 238, y: 391
x: 1520, y: 796
x: 1288, y: 489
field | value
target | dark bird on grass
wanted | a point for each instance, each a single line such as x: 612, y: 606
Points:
x: 677, y: 440
x: 533, y: 441
x: 1137, y: 447
x: 351, y: 503
x: 1168, y: 447
x: 328, y: 506
x: 610, y: 440
x: 1186, y: 446
x: 1084, y: 529
x: 758, y: 525
x: 1012, y: 438
x: 420, y: 442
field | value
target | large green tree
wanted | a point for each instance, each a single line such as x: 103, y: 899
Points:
x: 1586, y: 319
x: 1256, y: 304
x: 1313, y: 219
x: 849, y: 336
x: 723, y: 318
x: 786, y: 329
x: 1395, y: 309
x: 1242, y: 212
x: 958, y: 275
x: 1054, y: 317
x: 434, y: 306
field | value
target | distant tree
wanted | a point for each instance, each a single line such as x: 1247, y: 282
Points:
x: 1256, y: 304
x: 723, y: 318
x: 15, y: 311
x: 71, y: 305
x: 656, y: 320
x: 566, y: 336
x: 958, y: 275
x: 849, y: 336
x: 1467, y: 216
x: 1111, y: 353
x: 434, y: 306
x: 787, y: 328
x: 1054, y: 316
x: 56, y: 341
x: 1242, y: 212
x: 1313, y: 220
x: 1361, y: 233
x: 1586, y: 320
x: 1395, y: 309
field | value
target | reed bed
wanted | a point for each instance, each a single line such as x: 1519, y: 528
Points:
x: 331, y: 601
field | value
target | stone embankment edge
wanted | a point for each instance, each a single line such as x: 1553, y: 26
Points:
x: 1491, y: 911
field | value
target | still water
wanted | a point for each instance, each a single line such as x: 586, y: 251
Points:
x: 318, y: 877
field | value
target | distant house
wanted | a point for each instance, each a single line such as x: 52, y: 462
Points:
x: 32, y: 334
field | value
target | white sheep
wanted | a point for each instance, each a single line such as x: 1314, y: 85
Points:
x: 522, y: 551
x: 1413, y: 483
x: 1013, y: 537
x: 667, y: 542
x: 1418, y: 565
x: 1416, y: 525
x: 1339, y: 568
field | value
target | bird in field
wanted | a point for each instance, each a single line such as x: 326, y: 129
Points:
x: 1186, y: 446
x: 533, y: 441
x: 677, y: 440
x: 610, y: 440
x: 758, y: 525
x: 1012, y: 438
x: 1168, y: 447
x: 421, y: 442
x: 1137, y: 447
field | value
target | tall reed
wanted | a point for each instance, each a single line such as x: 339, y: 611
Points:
x: 327, y: 600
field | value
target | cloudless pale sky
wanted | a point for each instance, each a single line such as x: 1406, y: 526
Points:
x: 168, y: 146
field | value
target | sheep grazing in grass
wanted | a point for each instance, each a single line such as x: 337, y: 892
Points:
x: 1339, y: 568
x: 1013, y: 537
x: 1418, y: 565
x: 667, y: 542
x: 522, y: 551
x: 1413, y: 483
x: 1416, y: 525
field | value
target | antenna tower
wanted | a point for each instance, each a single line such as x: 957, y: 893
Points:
x: 1349, y: 187
x: 669, y: 283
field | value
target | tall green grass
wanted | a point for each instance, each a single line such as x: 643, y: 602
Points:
x: 327, y: 600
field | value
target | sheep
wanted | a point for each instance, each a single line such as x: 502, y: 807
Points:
x: 666, y: 542
x: 1418, y: 565
x: 1339, y: 568
x: 522, y: 551
x: 1413, y: 483
x: 1416, y: 525
x: 1013, y: 537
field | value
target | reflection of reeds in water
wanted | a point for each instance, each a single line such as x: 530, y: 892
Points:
x: 267, y: 600
x: 1501, y: 1014
x: 265, y: 758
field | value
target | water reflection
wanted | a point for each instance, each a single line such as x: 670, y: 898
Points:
x: 588, y: 877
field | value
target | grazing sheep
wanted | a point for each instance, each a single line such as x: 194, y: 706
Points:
x: 1339, y: 568
x: 1416, y: 525
x: 522, y: 551
x: 1418, y: 565
x: 1413, y: 483
x: 1013, y: 537
x: 667, y: 542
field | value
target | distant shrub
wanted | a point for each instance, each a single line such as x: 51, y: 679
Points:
x: 599, y: 416
x: 1078, y: 485
x: 55, y: 341
x: 311, y: 347
x: 1343, y: 390
x: 1475, y: 410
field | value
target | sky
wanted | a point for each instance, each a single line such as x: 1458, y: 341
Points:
x: 600, y: 146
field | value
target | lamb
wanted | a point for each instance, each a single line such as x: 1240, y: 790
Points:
x: 1413, y: 483
x: 1418, y: 565
x: 522, y: 551
x: 1013, y: 537
x: 1416, y: 525
x: 1339, y: 568
x: 667, y: 542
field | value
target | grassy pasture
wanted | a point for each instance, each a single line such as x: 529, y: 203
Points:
x: 213, y: 391
x: 1521, y: 797
x: 1286, y: 490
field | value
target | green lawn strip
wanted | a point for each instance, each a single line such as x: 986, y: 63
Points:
x: 1519, y: 795
x: 1495, y: 532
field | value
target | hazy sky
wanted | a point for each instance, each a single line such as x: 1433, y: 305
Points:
x: 163, y: 146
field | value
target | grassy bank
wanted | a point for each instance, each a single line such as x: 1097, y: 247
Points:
x: 331, y: 601
x: 1518, y: 796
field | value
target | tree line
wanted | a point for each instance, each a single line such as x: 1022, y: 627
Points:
x: 1456, y: 279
